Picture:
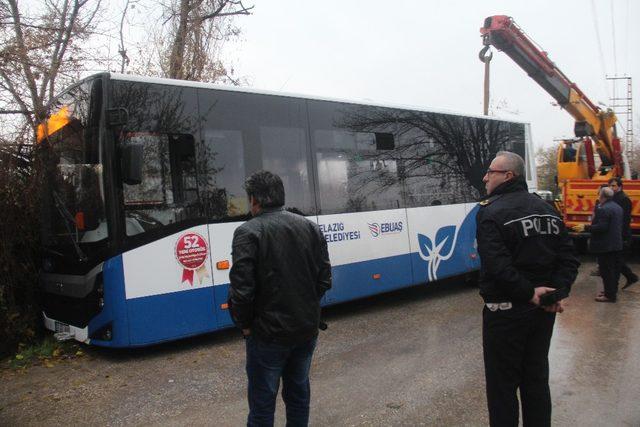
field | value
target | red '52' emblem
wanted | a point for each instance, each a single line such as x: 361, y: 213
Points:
x: 191, y: 253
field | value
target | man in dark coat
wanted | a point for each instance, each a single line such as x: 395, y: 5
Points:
x: 280, y: 272
x: 606, y: 242
x: 525, y: 254
x: 624, y: 202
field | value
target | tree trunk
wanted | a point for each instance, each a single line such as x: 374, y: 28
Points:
x: 176, y: 60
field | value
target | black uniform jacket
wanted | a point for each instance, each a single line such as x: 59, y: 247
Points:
x: 522, y: 244
x: 280, y: 272
x: 606, y: 228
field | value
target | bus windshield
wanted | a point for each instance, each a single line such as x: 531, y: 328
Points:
x: 74, y: 212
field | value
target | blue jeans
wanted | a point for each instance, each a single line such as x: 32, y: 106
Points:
x: 266, y: 364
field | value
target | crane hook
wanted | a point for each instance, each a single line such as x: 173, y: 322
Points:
x: 483, y: 56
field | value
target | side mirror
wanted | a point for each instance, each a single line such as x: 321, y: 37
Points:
x: 131, y: 163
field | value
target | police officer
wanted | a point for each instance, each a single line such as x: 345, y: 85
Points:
x: 525, y: 253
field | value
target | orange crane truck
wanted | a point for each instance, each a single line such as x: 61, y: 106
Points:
x: 580, y: 171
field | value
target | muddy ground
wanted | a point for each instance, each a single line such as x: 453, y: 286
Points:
x: 412, y: 357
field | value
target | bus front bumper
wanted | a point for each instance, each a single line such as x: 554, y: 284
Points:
x: 62, y: 331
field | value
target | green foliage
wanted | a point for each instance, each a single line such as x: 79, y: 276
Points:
x: 47, y: 351
x: 19, y: 249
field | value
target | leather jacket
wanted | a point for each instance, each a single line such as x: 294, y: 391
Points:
x: 280, y: 272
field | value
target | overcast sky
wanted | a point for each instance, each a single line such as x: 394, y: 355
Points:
x: 425, y: 53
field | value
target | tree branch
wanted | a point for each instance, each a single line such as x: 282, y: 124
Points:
x: 8, y: 84
x: 218, y: 12
x: 22, y: 53
x: 15, y: 112
x: 123, y: 51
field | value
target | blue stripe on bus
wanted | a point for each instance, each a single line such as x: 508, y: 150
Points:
x: 351, y: 281
x: 168, y: 316
x: 153, y: 319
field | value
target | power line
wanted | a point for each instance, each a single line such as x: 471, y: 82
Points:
x: 602, y: 63
x: 613, y: 40
x: 626, y: 38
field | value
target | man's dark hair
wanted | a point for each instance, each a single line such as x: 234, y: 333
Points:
x: 617, y: 180
x: 266, y: 188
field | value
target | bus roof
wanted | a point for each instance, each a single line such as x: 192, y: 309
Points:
x: 187, y: 83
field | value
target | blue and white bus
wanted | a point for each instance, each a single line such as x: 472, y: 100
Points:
x: 143, y: 190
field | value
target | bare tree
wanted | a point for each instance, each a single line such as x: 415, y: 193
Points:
x: 547, y: 168
x: 38, y: 49
x: 197, y: 30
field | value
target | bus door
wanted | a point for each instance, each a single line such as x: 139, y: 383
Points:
x: 168, y: 271
x: 168, y: 287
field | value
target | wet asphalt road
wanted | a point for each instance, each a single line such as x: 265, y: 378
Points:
x: 412, y: 357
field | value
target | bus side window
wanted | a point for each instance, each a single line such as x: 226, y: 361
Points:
x: 446, y: 156
x: 243, y: 133
x: 356, y: 158
x: 222, y: 173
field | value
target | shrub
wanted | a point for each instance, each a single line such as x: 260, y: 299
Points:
x: 19, y: 247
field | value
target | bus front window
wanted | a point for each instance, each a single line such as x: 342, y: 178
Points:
x: 74, y: 214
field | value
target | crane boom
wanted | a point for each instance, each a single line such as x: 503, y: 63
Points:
x: 590, y: 120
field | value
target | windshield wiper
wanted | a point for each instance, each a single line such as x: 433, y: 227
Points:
x: 66, y: 215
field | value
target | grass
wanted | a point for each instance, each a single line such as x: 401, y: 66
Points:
x: 47, y: 352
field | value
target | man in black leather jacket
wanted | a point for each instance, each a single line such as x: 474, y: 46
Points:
x: 525, y: 253
x: 621, y: 198
x: 280, y: 272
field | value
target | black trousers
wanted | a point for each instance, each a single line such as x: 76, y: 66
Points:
x: 624, y: 268
x: 609, y: 264
x: 516, y: 343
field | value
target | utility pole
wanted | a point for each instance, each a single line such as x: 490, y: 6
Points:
x: 623, y: 107
x: 486, y: 59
